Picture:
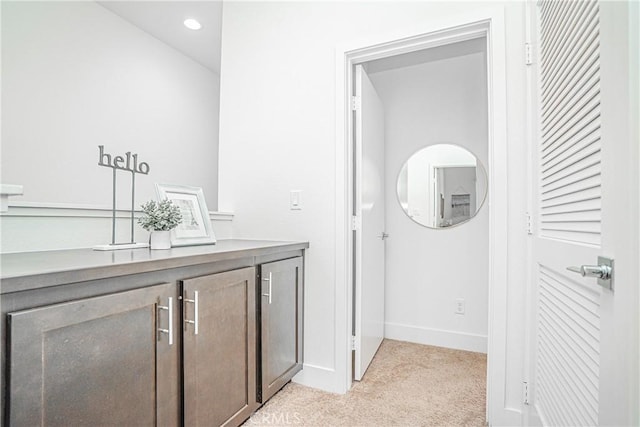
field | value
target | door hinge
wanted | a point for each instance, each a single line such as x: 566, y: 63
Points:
x: 356, y: 222
x: 528, y: 223
x: 353, y: 342
x: 528, y: 54
x: 355, y: 103
x: 525, y: 392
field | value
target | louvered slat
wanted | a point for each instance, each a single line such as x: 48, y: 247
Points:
x: 570, y: 144
x: 590, y: 161
x: 572, y: 107
x: 573, y: 321
x: 578, y: 188
x: 577, y: 154
x: 569, y: 30
x: 567, y: 363
x: 570, y: 217
x: 571, y: 384
x: 549, y: 407
x: 587, y: 113
x: 583, y: 382
x: 568, y: 326
x: 575, y: 137
x: 581, y: 307
x: 555, y: 47
x: 583, y: 174
x: 585, y: 206
x: 551, y: 15
x: 572, y: 237
x: 577, y: 88
x: 566, y: 396
x: 559, y: 62
x: 588, y: 169
x: 575, y: 187
x: 571, y: 227
x: 586, y: 193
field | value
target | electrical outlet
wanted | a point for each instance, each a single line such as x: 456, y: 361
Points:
x: 460, y: 306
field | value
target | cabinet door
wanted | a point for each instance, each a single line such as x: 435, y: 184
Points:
x: 219, y: 348
x: 281, y: 323
x: 96, y: 361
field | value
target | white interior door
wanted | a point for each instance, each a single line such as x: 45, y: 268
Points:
x: 585, y: 345
x: 369, y: 209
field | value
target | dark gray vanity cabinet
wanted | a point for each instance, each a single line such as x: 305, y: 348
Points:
x: 281, y: 312
x: 219, y: 348
x: 148, y: 338
x: 107, y: 360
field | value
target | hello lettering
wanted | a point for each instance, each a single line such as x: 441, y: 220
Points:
x: 128, y: 162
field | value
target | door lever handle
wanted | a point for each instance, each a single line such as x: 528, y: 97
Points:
x: 603, y: 271
x: 599, y: 271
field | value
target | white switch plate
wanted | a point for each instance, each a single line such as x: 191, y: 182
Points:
x: 295, y: 200
x: 460, y: 306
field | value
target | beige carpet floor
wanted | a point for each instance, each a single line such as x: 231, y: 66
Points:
x: 406, y: 385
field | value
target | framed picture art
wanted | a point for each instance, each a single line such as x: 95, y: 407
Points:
x: 195, y: 228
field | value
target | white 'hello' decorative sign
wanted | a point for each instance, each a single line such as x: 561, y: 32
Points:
x: 128, y: 163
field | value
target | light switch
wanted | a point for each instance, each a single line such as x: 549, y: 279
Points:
x: 295, y: 200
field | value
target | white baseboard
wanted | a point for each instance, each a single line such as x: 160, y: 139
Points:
x: 321, y: 378
x: 436, y: 337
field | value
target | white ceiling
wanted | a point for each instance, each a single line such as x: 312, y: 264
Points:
x: 164, y: 21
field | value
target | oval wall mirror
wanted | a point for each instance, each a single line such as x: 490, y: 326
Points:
x: 441, y: 186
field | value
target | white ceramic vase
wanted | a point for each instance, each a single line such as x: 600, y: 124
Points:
x: 161, y: 240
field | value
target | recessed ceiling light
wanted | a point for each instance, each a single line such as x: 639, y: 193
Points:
x: 192, y: 24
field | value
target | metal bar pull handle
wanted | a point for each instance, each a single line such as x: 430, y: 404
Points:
x: 193, y: 322
x: 270, y: 280
x: 169, y: 331
x: 603, y: 271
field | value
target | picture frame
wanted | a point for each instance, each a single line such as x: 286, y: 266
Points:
x: 195, y: 228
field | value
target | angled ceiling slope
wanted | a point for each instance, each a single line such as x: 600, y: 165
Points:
x: 164, y: 20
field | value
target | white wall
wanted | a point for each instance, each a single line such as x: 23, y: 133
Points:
x: 437, y: 102
x: 278, y: 130
x: 28, y: 227
x: 75, y: 76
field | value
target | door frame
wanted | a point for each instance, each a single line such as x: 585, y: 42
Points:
x: 492, y: 26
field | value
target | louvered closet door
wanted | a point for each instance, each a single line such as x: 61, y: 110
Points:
x: 581, y: 211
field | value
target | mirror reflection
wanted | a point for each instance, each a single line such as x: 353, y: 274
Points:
x: 441, y: 186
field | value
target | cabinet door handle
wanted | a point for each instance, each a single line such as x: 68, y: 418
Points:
x: 169, y: 308
x: 194, y: 322
x: 270, y: 280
